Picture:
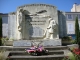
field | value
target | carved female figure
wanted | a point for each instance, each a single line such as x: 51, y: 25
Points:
x: 20, y: 23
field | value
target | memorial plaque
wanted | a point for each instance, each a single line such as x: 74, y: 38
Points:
x: 21, y: 43
x: 36, y: 32
x: 53, y: 42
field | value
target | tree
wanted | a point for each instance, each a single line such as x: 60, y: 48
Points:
x: 0, y: 30
x: 77, y: 31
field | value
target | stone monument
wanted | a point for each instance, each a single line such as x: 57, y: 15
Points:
x: 37, y: 23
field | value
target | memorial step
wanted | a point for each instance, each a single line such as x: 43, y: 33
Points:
x: 19, y: 53
x: 47, y: 57
x: 23, y: 48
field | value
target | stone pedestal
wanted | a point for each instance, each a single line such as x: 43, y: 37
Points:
x: 22, y: 43
x: 9, y: 43
x: 53, y: 42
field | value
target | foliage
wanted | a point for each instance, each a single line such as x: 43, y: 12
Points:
x: 66, y: 38
x: 11, y: 39
x: 4, y: 40
x: 76, y: 53
x: 79, y: 41
x: 71, y: 56
x: 0, y: 30
x: 2, y: 57
x: 73, y: 41
x: 77, y: 32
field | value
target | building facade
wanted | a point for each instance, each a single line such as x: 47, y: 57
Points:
x: 70, y: 22
x: 5, y: 24
x: 75, y: 8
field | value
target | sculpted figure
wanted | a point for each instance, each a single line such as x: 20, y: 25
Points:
x: 20, y: 24
x: 50, y: 29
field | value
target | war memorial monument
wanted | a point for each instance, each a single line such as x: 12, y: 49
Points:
x: 36, y: 24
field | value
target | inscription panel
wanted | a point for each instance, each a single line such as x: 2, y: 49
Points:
x: 35, y: 20
x: 34, y: 23
x: 22, y: 43
x: 36, y: 32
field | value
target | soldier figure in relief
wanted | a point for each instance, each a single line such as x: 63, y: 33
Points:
x: 50, y: 29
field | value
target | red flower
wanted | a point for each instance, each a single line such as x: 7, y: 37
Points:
x: 76, y: 51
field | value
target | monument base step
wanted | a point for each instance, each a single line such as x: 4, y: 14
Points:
x: 12, y: 48
x: 50, y: 42
x: 49, y: 57
x: 23, y: 53
x: 55, y: 53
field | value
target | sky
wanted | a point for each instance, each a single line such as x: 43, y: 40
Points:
x: 7, y: 6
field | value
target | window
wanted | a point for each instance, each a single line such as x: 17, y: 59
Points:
x: 5, y: 19
x: 70, y: 28
x: 69, y: 16
x: 78, y: 16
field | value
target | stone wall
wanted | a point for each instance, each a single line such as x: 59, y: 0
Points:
x: 62, y: 24
x: 5, y: 30
x: 12, y: 25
